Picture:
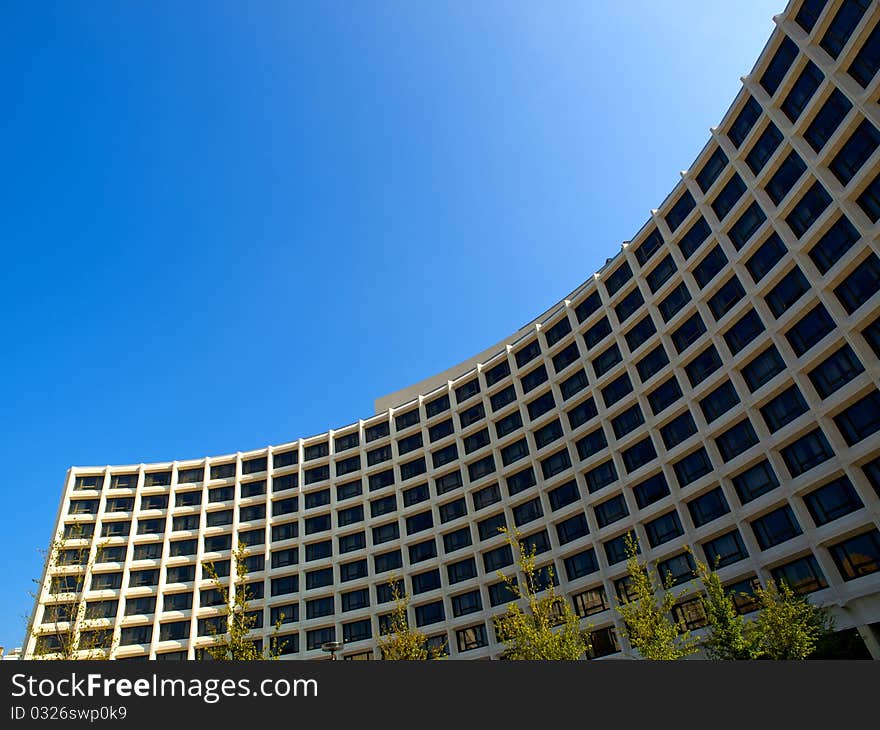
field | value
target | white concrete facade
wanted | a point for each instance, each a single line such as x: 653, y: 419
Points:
x: 555, y: 436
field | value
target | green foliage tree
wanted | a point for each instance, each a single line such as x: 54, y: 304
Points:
x: 68, y: 629
x: 727, y: 636
x: 548, y: 628
x: 788, y: 626
x: 399, y: 641
x: 648, y: 620
x: 236, y: 643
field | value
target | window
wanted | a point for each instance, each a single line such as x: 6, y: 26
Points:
x: 591, y: 304
x: 766, y: 257
x: 490, y: 527
x: 855, y: 152
x: 555, y: 464
x: 627, y: 421
x: 581, y: 413
x: 651, y: 490
x: 802, y: 575
x: 763, y: 368
x: 652, y: 363
x: 629, y: 305
x: 520, y: 481
x: 744, y: 122
x: 566, y: 357
x: 679, y: 211
x: 603, y: 362
x: 703, y: 365
x: 317, y: 524
x: 711, y: 264
x: 436, y: 432
x: 574, y: 384
x: 357, y: 631
x: 381, y: 480
x: 424, y: 550
x: 779, y: 65
x: 590, y: 601
x: 481, y: 468
x: 283, y: 558
x: 638, y: 455
x: 532, y: 380
x: 836, y: 371
x: 719, y: 401
x: 472, y: 637
x: 834, y: 244
x: 640, y: 333
x: 842, y: 25
x: 418, y: 522
x: 571, y: 529
x: 725, y: 550
x: 664, y: 528
x: 319, y: 550
x: 406, y: 420
x: 755, y: 481
x: 541, y: 405
x: 785, y: 177
x: 601, y: 476
x: 527, y: 512
x: 858, y: 555
x: 457, y: 540
x: 692, y: 467
x: 316, y: 637
x: 784, y: 408
x: 486, y: 496
x: 288, y: 481
x: 427, y: 581
x: 453, y: 510
x: 386, y: 533
x: 802, y: 91
x: 729, y: 195
x: 371, y: 433
x: 617, y: 278
x: 497, y: 559
x: 827, y: 120
x: 867, y: 61
x: 810, y: 329
x: 726, y: 297
x: 611, y: 510
x: 597, y: 332
x: 350, y: 516
x: 350, y: 543
x: 471, y: 415
x: 776, y: 527
x: 736, y: 440
x: 581, y: 564
x: 712, y: 169
x: 678, y: 429
x: 860, y: 285
x: 388, y: 561
x: 677, y: 570
x: 674, y: 302
x: 317, y: 499
x: 660, y: 274
x: 808, y: 209
x: 688, y: 333
x: 707, y: 507
x: 789, y: 289
x: 498, y: 373
x: 319, y: 473
x: 591, y: 444
x: 616, y: 390
x: 136, y: 635
x: 416, y: 494
x: 835, y: 499
x: 466, y: 603
x: 437, y: 406
x: 556, y: 332
x: 316, y: 451
x: 476, y: 441
x: 746, y: 329
x: 869, y: 200
x: 285, y: 585
x: 528, y: 353
x: 763, y: 149
x: 860, y: 420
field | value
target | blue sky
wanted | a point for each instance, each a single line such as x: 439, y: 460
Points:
x: 226, y: 225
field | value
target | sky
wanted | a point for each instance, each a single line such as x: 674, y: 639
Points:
x: 228, y: 225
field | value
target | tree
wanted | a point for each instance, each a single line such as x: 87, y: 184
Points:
x: 235, y: 644
x: 647, y: 620
x: 548, y: 629
x: 788, y: 626
x: 398, y: 640
x: 69, y: 628
x: 727, y: 636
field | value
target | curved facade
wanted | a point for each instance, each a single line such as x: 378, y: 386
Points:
x: 714, y: 385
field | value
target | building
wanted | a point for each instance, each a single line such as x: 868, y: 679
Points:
x: 715, y: 385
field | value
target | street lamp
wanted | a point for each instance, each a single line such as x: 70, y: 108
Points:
x: 332, y: 647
